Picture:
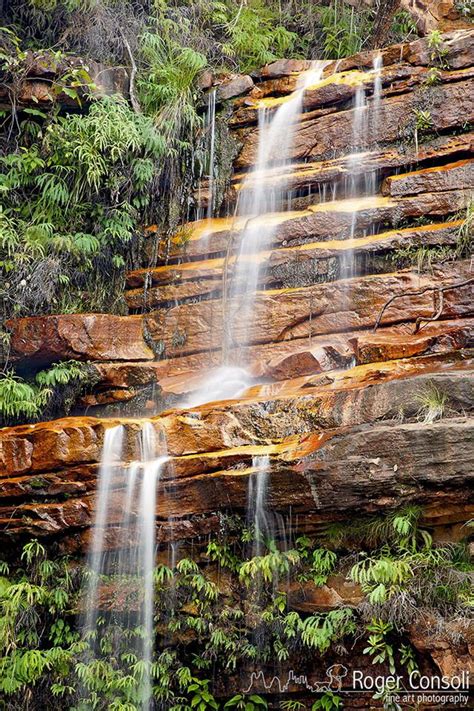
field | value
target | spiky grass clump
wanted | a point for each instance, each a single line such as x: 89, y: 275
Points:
x: 432, y: 404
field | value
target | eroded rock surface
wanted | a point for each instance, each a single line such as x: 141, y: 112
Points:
x: 363, y: 316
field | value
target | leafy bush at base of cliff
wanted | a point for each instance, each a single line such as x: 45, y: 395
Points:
x: 213, y: 622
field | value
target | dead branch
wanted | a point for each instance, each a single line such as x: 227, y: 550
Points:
x: 133, y: 72
x: 437, y: 290
x: 438, y: 294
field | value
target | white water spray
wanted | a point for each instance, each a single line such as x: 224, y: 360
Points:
x: 258, y: 515
x: 111, y: 456
x: 258, y: 197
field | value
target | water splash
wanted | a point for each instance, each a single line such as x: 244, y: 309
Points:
x: 224, y: 383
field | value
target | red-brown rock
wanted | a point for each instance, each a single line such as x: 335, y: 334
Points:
x: 44, y: 339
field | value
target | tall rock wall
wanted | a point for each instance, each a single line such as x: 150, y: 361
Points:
x: 364, y: 312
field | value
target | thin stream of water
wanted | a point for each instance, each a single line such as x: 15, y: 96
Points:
x: 211, y: 123
x: 132, y: 491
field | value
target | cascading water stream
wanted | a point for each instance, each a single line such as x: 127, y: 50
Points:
x: 208, y: 164
x: 211, y: 123
x: 129, y: 493
x: 361, y: 181
x: 258, y: 517
x: 258, y: 197
x: 377, y: 70
x: 110, y: 461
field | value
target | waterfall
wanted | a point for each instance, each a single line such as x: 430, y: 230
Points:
x: 111, y: 456
x: 360, y: 181
x: 211, y: 124
x: 129, y: 493
x: 258, y: 515
x: 372, y: 177
x: 207, y: 165
x: 258, y: 197
x: 146, y: 530
x: 377, y: 70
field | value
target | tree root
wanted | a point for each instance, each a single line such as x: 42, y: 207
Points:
x: 438, y: 303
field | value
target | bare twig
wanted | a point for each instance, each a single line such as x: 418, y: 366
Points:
x: 437, y: 309
x: 437, y: 290
x: 383, y: 20
x: 133, y: 72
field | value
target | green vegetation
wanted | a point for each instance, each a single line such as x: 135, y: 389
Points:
x: 438, y: 51
x: 423, y: 258
x: 465, y: 8
x: 344, y: 29
x: 213, y: 626
x: 433, y: 77
x: 328, y: 702
x: 240, y: 702
x: 52, y: 390
x: 77, y: 187
x: 432, y: 404
x: 72, y: 195
x: 423, y: 120
x: 466, y: 232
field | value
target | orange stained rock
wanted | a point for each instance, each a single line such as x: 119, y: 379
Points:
x: 246, y: 180
x: 354, y: 378
x: 353, y: 244
x: 350, y: 78
x: 298, y: 170
x: 204, y: 228
x: 436, y: 169
x: 353, y: 204
x: 337, y: 380
x: 174, y: 273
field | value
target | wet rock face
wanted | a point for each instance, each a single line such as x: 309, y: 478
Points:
x: 332, y: 453
x: 320, y: 138
x: 363, y: 317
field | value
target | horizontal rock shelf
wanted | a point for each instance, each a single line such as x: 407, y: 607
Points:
x: 319, y: 221
x: 294, y: 313
x: 285, y: 314
x: 454, y: 175
x: 288, y: 266
x: 320, y: 176
x: 313, y: 432
x: 341, y: 86
x: 317, y: 138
